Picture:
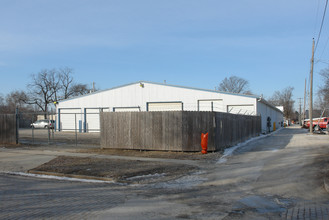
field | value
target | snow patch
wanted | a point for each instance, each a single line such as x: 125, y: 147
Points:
x: 148, y: 176
x: 57, y: 177
x: 261, y: 204
x: 184, y: 182
x: 229, y: 151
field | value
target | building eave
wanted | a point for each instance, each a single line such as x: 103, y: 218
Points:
x: 162, y: 84
x: 262, y: 100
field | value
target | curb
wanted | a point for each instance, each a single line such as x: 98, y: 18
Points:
x: 70, y: 175
x: 326, y: 181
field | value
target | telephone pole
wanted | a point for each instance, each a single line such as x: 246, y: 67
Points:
x: 304, y: 113
x: 311, y: 91
x: 300, y: 111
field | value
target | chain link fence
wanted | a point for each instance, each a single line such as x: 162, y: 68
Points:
x: 42, y: 128
x: 82, y: 127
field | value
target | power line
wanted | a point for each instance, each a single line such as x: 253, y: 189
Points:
x: 325, y: 46
x: 316, y: 17
x: 324, y: 14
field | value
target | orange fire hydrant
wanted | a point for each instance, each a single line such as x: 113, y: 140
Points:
x: 204, y: 143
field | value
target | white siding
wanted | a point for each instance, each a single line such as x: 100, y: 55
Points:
x: 69, y: 119
x: 241, y: 109
x: 92, y: 120
x: 269, y: 111
x: 165, y: 106
x: 133, y: 95
x: 126, y: 109
x: 211, y: 105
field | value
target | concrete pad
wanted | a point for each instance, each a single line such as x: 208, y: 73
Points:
x: 141, y: 208
x: 21, y: 161
x: 326, y: 181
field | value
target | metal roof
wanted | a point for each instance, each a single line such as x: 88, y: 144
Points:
x: 163, y: 84
x: 259, y: 98
x: 269, y: 104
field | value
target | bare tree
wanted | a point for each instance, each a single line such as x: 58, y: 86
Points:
x: 49, y: 86
x: 69, y: 87
x: 284, y: 99
x: 79, y: 89
x: 234, y: 84
x: 13, y: 100
x: 16, y: 99
x: 2, y: 103
x: 2, y: 99
x: 43, y: 88
x: 67, y: 81
x: 323, y: 92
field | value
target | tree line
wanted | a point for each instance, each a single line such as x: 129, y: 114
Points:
x: 283, y: 98
x: 52, y: 85
x: 323, y: 92
x: 49, y: 86
x: 44, y: 89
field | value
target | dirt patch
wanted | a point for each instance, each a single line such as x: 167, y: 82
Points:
x: 155, y: 154
x: 130, y: 171
x: 11, y: 145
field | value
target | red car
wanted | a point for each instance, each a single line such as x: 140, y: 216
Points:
x: 320, y: 122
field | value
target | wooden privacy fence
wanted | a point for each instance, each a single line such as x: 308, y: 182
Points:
x: 175, y: 130
x: 8, y: 131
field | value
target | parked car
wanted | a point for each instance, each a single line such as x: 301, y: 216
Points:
x: 318, y: 123
x: 46, y: 123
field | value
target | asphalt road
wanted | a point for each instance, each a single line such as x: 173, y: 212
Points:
x: 279, y: 176
x: 276, y: 177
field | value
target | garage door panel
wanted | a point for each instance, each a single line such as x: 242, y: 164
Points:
x: 126, y: 109
x: 69, y: 118
x: 92, y: 120
x: 165, y: 106
x: 211, y: 105
x: 241, y: 109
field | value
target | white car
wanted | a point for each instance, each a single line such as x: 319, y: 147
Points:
x: 46, y: 123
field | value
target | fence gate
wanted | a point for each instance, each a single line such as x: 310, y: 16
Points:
x: 61, y: 129
x: 8, y: 129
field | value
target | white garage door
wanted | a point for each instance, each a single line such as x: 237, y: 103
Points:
x: 69, y: 119
x: 92, y: 120
x: 126, y: 109
x: 215, y: 105
x: 241, y: 109
x: 165, y: 106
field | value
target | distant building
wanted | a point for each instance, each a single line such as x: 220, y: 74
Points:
x: 83, y: 112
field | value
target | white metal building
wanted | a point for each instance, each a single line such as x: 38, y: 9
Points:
x: 83, y: 112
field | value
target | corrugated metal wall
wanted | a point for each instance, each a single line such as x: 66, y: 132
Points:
x: 134, y: 95
x: 266, y: 111
x: 141, y: 95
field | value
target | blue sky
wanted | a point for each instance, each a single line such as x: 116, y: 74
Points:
x: 193, y: 43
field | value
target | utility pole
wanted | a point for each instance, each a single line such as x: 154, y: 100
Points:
x: 304, y: 113
x: 300, y: 111
x: 311, y: 91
